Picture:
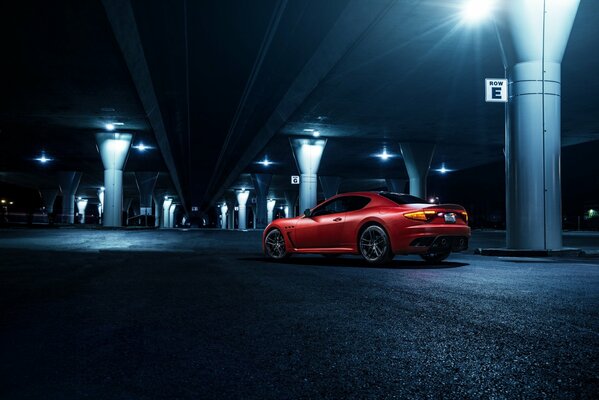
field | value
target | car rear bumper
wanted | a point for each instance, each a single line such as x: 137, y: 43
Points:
x: 425, y: 238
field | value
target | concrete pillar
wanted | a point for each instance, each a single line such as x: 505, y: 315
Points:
x: 166, y: 205
x: 114, y: 148
x: 290, y: 198
x: 48, y: 199
x: 418, y: 157
x: 101, y: 204
x: 223, y: 215
x: 242, y: 198
x: 69, y: 182
x: 270, y: 206
x: 146, y: 181
x: 81, y: 206
x: 261, y: 184
x: 330, y: 185
x: 533, y: 35
x: 158, y: 200
x: 396, y: 185
x: 171, y: 215
x: 308, y: 153
x: 253, y: 216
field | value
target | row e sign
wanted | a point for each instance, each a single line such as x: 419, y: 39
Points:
x: 496, y: 90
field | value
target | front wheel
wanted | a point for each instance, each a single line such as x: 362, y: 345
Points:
x: 434, y: 258
x: 375, y: 246
x: 274, y: 245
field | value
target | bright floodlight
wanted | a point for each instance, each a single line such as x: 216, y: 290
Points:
x: 443, y: 169
x: 384, y: 155
x: 43, y: 159
x: 141, y: 147
x: 109, y: 127
x: 316, y: 134
x: 476, y: 10
x: 265, y: 162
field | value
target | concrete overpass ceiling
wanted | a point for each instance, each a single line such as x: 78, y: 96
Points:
x: 234, y: 80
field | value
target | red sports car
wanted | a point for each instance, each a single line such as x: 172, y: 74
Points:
x: 376, y: 225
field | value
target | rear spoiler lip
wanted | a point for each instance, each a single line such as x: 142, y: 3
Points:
x: 446, y: 206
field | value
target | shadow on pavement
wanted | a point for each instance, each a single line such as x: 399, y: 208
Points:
x: 356, y: 262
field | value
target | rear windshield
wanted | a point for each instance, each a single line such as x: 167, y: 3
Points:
x: 403, y: 198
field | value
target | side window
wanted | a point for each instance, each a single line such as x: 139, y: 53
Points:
x: 332, y: 207
x: 354, y: 203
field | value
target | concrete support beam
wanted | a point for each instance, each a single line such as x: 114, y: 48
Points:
x: 166, y: 205
x: 242, y: 198
x: 396, y: 185
x: 290, y: 199
x: 146, y: 181
x: 114, y: 148
x: 171, y: 215
x: 261, y: 185
x: 69, y: 182
x: 81, y: 206
x: 533, y: 36
x: 48, y: 199
x: 330, y: 185
x: 223, y: 215
x: 418, y: 157
x: 308, y: 153
x: 270, y: 206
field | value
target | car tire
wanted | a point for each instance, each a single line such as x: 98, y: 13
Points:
x: 374, y: 245
x: 274, y: 245
x: 434, y: 258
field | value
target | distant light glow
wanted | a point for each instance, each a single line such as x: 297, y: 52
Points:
x: 43, y: 159
x: 474, y: 11
x: 111, y: 126
x: 142, y: 147
x: 384, y: 155
x: 3, y: 201
x: 316, y: 134
x: 266, y: 162
x: 443, y: 169
x: 11, y: 202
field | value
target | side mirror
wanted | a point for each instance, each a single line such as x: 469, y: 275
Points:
x: 307, y: 213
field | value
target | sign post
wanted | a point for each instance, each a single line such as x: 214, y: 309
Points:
x: 295, y: 180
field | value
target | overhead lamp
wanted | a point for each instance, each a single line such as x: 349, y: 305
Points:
x: 266, y: 162
x: 474, y: 11
x: 11, y: 202
x: 384, y: 155
x: 111, y: 126
x: 314, y: 132
x: 3, y: 201
x: 142, y: 147
x: 43, y: 159
x: 443, y: 170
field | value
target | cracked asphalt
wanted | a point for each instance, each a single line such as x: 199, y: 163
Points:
x: 201, y: 314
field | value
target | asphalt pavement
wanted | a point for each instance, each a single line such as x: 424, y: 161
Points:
x: 200, y: 314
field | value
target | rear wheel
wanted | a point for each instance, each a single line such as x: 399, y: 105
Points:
x: 374, y: 245
x: 274, y: 245
x: 435, y: 258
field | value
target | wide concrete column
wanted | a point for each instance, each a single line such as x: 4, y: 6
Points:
x: 330, y: 185
x: 418, y: 157
x: 114, y: 148
x: 146, y: 181
x: 261, y: 185
x: 166, y: 205
x: 223, y: 215
x: 396, y: 185
x: 242, y: 198
x: 48, y: 199
x: 69, y: 182
x: 81, y: 206
x: 308, y: 153
x: 533, y: 35
x: 270, y: 207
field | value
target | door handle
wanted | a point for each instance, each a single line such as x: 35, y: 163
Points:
x: 337, y: 219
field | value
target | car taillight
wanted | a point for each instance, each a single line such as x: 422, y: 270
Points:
x: 422, y: 215
x: 464, y: 216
